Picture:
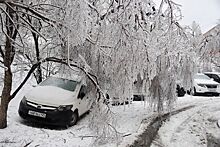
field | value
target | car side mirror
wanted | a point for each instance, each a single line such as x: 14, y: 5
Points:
x: 81, y: 95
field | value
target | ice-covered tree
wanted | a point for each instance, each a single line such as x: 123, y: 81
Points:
x: 194, y: 34
x: 130, y: 39
x: 209, y: 49
x: 116, y: 39
x: 34, y: 33
x: 133, y: 37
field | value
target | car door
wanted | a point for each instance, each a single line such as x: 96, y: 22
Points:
x: 82, y: 97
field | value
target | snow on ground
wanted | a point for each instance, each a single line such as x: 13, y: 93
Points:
x: 188, y: 128
x: 193, y: 127
x: 20, y: 133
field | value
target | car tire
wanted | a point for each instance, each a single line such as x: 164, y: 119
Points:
x: 181, y: 92
x: 194, y: 93
x: 74, y: 118
x: 216, y: 94
x: 188, y: 92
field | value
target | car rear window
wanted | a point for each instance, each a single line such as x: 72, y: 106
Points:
x: 60, y: 82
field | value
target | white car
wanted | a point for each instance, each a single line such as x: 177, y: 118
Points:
x: 56, y: 101
x: 214, y: 75
x: 205, y: 85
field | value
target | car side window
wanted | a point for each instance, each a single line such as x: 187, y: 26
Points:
x: 215, y: 77
x: 82, y: 92
x: 209, y: 75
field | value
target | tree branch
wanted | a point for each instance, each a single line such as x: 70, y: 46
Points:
x: 13, y: 23
x: 57, y: 60
x: 171, y: 11
x: 2, y: 53
x: 32, y: 11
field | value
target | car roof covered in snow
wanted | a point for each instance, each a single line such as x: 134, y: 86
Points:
x: 77, y: 78
x: 216, y: 73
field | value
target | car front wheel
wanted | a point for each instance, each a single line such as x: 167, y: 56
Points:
x: 74, y: 118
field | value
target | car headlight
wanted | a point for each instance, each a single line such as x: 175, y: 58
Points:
x: 24, y: 100
x: 202, y: 85
x: 64, y: 107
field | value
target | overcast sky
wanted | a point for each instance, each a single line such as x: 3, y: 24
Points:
x: 205, y: 12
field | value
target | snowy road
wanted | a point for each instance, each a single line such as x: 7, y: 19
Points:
x: 193, y: 127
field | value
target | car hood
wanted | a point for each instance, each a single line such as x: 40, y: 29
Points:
x: 202, y: 81
x: 51, y: 95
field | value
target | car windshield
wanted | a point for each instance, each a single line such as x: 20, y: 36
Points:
x: 60, y: 82
x: 201, y: 76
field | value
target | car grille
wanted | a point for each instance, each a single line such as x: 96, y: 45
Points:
x: 211, y: 86
x: 38, y: 106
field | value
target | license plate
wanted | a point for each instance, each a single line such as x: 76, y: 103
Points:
x: 38, y: 114
x: 212, y: 90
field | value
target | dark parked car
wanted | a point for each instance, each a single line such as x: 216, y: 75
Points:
x: 180, y: 91
x: 138, y: 98
x: 214, y: 75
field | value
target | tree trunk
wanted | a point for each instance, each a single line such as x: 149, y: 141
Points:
x: 5, y: 99
x: 39, y: 76
x: 3, y: 114
x: 8, y: 58
x: 4, y: 103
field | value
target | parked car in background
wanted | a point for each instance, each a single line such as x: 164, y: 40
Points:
x: 180, y: 91
x: 56, y: 101
x: 214, y: 75
x: 205, y: 85
x: 139, y: 97
x: 118, y: 101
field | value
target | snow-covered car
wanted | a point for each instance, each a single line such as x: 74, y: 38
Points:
x: 205, y: 85
x: 214, y: 75
x: 56, y: 101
